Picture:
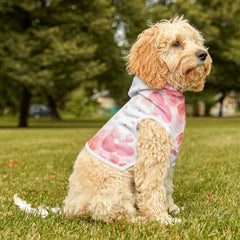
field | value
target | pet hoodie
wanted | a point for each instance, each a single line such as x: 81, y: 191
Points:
x: 115, y: 143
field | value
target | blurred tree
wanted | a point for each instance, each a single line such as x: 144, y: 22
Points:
x: 224, y: 16
x: 81, y: 105
x: 45, y: 47
x: 50, y: 48
x: 15, y: 55
x: 129, y: 19
x: 53, y: 47
x: 83, y: 28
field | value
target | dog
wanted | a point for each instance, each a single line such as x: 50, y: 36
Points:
x: 125, y: 171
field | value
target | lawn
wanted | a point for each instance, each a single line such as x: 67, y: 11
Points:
x: 36, y: 164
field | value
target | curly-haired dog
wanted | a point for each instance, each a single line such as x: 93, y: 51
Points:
x: 125, y: 171
x: 112, y: 178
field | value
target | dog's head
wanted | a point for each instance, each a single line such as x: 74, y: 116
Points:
x: 170, y: 52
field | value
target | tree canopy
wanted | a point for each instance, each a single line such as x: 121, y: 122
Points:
x: 50, y: 48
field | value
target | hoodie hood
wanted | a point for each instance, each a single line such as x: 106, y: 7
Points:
x: 138, y: 86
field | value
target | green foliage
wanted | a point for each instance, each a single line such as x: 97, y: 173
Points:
x: 54, y: 47
x: 48, y: 54
x: 80, y: 105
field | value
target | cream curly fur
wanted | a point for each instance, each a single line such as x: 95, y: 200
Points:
x: 164, y: 53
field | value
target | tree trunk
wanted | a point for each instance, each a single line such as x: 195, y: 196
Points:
x: 24, y: 107
x: 53, y: 106
x: 221, y: 104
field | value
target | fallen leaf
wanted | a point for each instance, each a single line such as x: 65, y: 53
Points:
x: 11, y: 164
x: 120, y: 229
x: 201, y: 179
x: 208, y: 196
x: 52, y: 176
x: 207, y: 159
x: 196, y: 175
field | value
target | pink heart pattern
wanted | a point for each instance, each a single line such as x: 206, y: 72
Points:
x: 129, y: 138
x: 155, y: 97
x: 124, y: 150
x: 108, y: 144
x: 115, y: 132
x: 121, y: 147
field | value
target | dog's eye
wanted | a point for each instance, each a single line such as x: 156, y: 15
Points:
x: 176, y: 44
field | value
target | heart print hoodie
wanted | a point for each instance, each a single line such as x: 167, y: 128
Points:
x: 115, y: 142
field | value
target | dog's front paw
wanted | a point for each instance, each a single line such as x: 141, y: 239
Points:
x: 167, y: 219
x: 171, y: 221
x: 176, y: 220
x: 174, y: 209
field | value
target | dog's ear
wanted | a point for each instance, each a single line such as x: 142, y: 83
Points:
x: 145, y: 59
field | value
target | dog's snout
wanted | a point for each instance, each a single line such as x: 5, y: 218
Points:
x: 202, y: 55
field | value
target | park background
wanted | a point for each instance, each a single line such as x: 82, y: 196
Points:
x: 68, y: 56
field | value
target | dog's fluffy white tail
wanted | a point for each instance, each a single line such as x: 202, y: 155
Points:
x: 40, y: 211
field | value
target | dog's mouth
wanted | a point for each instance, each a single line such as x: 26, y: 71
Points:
x: 198, y: 67
x: 195, y: 77
x: 197, y: 72
x: 189, y: 70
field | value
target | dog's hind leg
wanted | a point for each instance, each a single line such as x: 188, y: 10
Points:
x: 99, y: 190
x: 113, y: 204
x: 115, y: 198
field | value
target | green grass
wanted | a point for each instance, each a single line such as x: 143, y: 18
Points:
x: 36, y: 164
x: 45, y: 122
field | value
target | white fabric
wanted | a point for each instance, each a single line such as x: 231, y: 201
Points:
x: 115, y: 143
x: 40, y: 211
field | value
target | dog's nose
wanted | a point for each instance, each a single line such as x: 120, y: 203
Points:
x: 202, y: 55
